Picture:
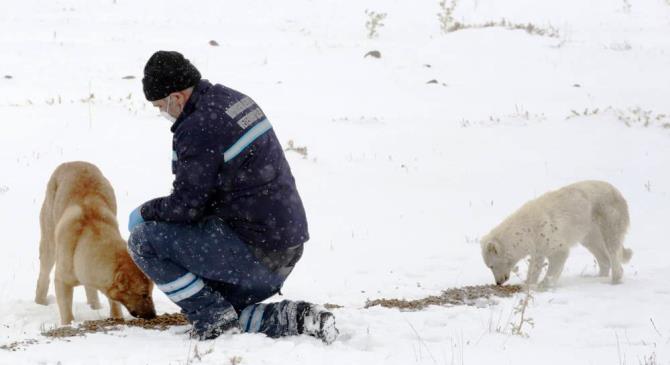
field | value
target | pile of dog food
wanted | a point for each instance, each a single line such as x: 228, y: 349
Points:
x: 161, y: 323
x: 468, y: 295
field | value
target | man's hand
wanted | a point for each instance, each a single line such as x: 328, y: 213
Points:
x: 135, y: 219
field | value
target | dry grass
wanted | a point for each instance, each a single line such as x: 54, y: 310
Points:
x: 374, y: 22
x: 631, y: 117
x: 445, y: 16
x: 301, y: 150
x: 331, y: 306
x: 529, y: 28
x: 649, y: 360
x: 448, y: 24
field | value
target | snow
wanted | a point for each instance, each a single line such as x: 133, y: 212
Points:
x: 400, y: 179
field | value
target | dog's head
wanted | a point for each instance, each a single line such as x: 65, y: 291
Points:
x: 497, y: 259
x: 132, y: 289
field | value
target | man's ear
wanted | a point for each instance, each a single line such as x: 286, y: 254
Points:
x: 181, y: 97
x: 492, y: 247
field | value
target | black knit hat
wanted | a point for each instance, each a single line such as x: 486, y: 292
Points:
x: 167, y: 72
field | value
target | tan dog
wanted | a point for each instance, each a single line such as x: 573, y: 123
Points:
x: 591, y: 212
x: 80, y: 235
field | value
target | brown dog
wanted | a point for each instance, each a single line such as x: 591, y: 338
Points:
x: 81, y: 236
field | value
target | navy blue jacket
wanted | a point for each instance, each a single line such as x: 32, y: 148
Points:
x: 228, y: 162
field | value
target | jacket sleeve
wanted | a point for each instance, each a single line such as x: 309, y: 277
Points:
x: 196, y: 170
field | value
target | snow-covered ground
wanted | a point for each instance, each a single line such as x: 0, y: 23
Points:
x: 401, y: 176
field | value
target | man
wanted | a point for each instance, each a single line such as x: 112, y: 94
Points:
x: 233, y: 228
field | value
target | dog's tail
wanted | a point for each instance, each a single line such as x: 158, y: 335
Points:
x: 52, y: 187
x: 68, y: 226
x: 627, y: 254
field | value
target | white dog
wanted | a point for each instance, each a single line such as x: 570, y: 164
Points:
x: 591, y: 212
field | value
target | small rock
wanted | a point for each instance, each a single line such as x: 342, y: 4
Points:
x: 9, y: 77
x: 129, y: 77
x: 576, y: 85
x: 213, y: 43
x: 433, y: 81
x: 374, y: 54
x: 427, y: 65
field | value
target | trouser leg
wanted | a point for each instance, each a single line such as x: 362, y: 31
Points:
x: 208, y: 311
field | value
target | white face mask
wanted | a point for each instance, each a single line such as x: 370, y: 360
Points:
x: 167, y: 115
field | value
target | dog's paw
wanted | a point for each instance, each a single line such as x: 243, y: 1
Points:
x: 547, y: 284
x: 617, y: 276
x: 45, y: 300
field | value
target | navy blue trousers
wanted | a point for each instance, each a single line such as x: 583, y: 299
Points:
x: 205, y: 268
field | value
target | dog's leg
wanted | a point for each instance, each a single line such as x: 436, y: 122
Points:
x: 534, y: 269
x: 47, y: 261
x: 92, y: 297
x: 617, y: 268
x: 556, y: 263
x: 64, y: 299
x: 613, y: 222
x: 596, y: 245
x: 614, y: 246
x: 115, y: 309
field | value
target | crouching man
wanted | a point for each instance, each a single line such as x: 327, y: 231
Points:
x: 233, y: 228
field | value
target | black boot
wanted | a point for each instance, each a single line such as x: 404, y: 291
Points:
x: 289, y: 318
x: 210, y: 314
x: 317, y: 321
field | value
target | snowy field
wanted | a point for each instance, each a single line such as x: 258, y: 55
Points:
x: 401, y: 176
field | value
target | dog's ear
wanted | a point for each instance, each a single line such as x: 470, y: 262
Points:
x: 121, y: 281
x: 492, y: 247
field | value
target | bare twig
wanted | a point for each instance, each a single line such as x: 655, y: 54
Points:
x: 654, y: 324
x: 618, y: 349
x: 421, y: 341
x: 520, y: 309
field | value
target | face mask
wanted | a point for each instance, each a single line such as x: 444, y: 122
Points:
x: 167, y: 115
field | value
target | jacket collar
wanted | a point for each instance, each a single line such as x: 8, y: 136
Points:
x: 200, y: 88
